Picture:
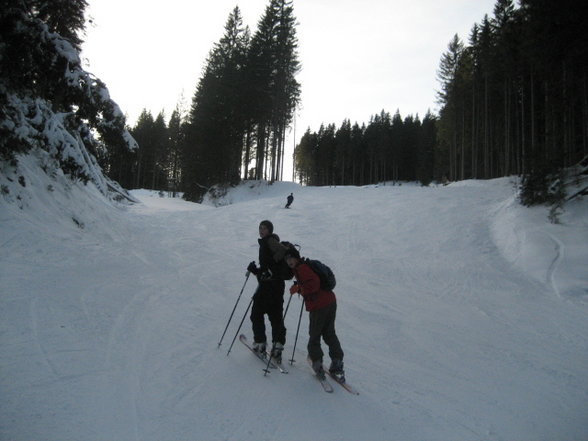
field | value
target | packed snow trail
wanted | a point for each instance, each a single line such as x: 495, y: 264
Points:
x: 450, y: 331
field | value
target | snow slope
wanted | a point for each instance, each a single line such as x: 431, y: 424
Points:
x: 463, y: 316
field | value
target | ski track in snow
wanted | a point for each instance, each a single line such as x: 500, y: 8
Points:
x: 111, y: 332
x: 559, y: 255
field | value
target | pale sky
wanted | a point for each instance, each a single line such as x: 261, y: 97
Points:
x: 358, y: 57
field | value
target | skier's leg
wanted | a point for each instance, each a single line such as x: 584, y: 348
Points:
x: 329, y: 334
x: 275, y: 315
x: 315, y: 328
x: 258, y: 321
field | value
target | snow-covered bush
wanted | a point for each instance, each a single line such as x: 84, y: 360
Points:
x: 554, y: 187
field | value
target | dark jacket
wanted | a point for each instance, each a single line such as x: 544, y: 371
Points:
x: 309, y: 285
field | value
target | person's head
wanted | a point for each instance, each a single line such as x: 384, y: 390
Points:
x: 292, y: 257
x: 265, y: 228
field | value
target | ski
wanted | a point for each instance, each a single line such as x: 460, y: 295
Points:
x: 280, y: 365
x: 343, y: 383
x: 322, y: 380
x: 325, y: 384
x: 263, y: 357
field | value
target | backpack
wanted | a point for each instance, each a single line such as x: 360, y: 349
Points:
x: 325, y: 273
x: 284, y: 272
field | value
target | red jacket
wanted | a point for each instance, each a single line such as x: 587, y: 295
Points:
x: 309, y: 285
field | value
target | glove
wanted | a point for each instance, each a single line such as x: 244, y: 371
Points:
x: 294, y: 288
x: 252, y: 268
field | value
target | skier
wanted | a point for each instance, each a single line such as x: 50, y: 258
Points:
x: 322, y: 307
x: 289, y: 200
x: 269, y: 296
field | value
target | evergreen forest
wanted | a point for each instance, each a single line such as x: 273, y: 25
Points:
x: 513, y: 100
x: 236, y: 125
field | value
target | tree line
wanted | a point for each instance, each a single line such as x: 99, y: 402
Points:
x: 513, y: 101
x: 236, y: 126
x: 389, y: 148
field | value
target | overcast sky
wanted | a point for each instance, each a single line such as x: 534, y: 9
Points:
x: 358, y: 57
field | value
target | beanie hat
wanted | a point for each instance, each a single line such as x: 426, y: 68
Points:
x: 268, y: 225
x: 292, y: 252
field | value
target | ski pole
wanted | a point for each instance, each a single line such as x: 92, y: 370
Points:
x: 266, y: 370
x: 240, y: 324
x: 287, y: 306
x: 297, y: 330
x: 235, y: 307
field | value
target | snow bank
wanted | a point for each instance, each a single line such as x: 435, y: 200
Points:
x: 553, y: 254
x: 35, y: 190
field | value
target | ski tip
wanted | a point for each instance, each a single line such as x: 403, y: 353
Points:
x: 327, y: 387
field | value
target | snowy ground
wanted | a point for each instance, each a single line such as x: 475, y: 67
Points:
x: 463, y: 315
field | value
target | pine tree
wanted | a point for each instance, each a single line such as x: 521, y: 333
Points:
x: 272, y: 67
x: 177, y: 138
x: 160, y: 145
x: 218, y: 120
x: 448, y: 76
x: 427, y: 140
x: 244, y: 103
x: 343, y: 152
x: 142, y: 132
x: 47, y: 100
x: 66, y: 17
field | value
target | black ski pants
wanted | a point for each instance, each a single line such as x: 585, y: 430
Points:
x: 322, y: 324
x: 269, y: 299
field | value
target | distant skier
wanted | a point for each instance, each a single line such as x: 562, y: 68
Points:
x: 322, y: 307
x: 289, y: 199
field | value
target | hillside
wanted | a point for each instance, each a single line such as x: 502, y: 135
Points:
x: 463, y: 315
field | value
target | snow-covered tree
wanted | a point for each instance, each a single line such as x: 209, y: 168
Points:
x: 47, y: 101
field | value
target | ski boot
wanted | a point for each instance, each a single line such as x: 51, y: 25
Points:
x: 336, y: 370
x: 277, y: 352
x: 259, y: 348
x: 317, y: 367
